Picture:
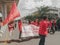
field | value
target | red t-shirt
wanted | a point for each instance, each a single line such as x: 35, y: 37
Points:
x: 36, y: 23
x: 55, y: 22
x: 43, y: 28
x: 11, y: 26
x: 32, y: 22
x: 50, y: 24
x: 20, y: 25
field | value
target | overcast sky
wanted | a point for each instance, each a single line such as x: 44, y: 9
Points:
x: 27, y: 6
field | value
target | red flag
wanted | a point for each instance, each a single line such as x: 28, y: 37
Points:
x: 14, y: 13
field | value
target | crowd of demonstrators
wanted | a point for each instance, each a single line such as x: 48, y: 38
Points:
x: 43, y: 25
x: 52, y: 25
x: 49, y: 24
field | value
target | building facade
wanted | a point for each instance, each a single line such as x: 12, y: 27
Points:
x: 5, y: 6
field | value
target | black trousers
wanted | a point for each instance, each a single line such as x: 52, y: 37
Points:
x: 42, y: 40
x: 20, y: 34
x: 0, y: 27
x: 52, y: 29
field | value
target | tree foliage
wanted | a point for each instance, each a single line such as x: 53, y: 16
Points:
x: 41, y: 11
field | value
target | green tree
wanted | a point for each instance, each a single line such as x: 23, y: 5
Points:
x: 41, y: 11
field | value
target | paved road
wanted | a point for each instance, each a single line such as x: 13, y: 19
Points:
x: 50, y: 40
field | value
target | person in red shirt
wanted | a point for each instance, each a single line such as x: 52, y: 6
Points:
x: 53, y: 27
x: 36, y: 22
x: 32, y: 22
x: 20, y: 28
x: 43, y: 30
x: 11, y: 27
x: 49, y: 26
x: 50, y: 23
